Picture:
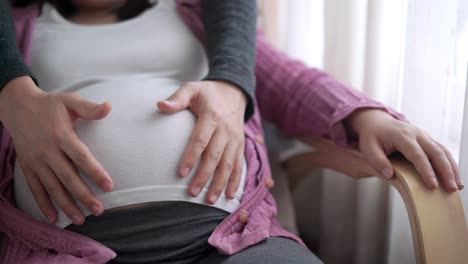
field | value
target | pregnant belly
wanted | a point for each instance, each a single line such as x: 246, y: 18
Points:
x: 136, y: 143
x: 139, y: 146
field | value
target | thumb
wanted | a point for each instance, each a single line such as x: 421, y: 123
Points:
x: 377, y: 158
x: 179, y: 100
x: 85, y: 109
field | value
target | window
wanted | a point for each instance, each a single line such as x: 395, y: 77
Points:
x: 457, y: 80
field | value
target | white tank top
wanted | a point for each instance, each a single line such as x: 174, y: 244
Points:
x: 132, y: 64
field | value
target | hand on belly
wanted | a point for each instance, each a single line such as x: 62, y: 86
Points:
x: 136, y: 144
x: 141, y: 146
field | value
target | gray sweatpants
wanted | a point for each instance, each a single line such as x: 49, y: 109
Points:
x: 177, y: 233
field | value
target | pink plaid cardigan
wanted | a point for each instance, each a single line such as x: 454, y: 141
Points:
x: 300, y: 101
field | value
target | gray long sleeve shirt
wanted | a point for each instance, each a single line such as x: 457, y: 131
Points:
x: 230, y: 27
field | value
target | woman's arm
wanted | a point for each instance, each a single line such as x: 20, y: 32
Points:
x: 11, y: 61
x: 304, y: 101
x: 230, y: 28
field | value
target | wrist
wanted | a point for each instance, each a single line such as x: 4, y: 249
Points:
x: 15, y: 92
x: 234, y: 87
x: 360, y: 119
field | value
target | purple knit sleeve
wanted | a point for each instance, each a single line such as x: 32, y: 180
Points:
x: 305, y: 101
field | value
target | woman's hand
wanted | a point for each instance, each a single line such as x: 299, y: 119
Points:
x: 218, y: 136
x: 380, y: 134
x: 42, y: 129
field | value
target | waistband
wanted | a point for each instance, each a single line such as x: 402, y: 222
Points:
x: 163, y: 232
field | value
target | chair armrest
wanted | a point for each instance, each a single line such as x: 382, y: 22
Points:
x: 437, y: 218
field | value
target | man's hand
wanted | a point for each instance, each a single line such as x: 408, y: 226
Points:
x: 218, y: 137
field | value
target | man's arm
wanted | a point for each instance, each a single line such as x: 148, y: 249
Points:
x: 230, y: 35
x: 11, y: 61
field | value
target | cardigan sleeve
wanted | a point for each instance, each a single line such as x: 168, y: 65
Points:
x: 305, y: 101
x: 11, y: 61
x: 230, y: 28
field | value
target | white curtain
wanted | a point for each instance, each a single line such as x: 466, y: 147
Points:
x: 464, y: 150
x: 461, y: 60
x: 403, y: 53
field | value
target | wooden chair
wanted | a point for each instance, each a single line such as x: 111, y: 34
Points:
x: 437, y: 218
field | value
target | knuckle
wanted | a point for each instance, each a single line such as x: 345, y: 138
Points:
x: 237, y: 170
x: 214, y: 116
x: 38, y: 196
x: 65, y: 141
x: 233, y: 131
x: 215, y: 156
x: 96, y: 173
x: 217, y: 188
x: 233, y: 186
x: 30, y: 163
x: 65, y: 178
x: 236, y: 145
x: 419, y: 132
x: 189, y: 162
x: 66, y: 205
x: 43, y: 205
x: 438, y: 154
x: 408, y: 132
x: 81, y: 157
x: 203, y: 178
x: 200, y: 141
x: 58, y: 135
x: 41, y: 150
x: 228, y: 166
x: 240, y: 132
x: 89, y: 108
x: 176, y: 96
x: 85, y: 198
x: 56, y: 192
x: 418, y: 156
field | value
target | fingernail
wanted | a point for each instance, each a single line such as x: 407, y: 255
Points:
x: 453, y: 184
x: 96, y: 209
x: 460, y: 184
x: 77, y: 220
x: 269, y: 182
x: 213, y: 198
x: 185, y: 171
x: 387, y: 173
x: 230, y: 195
x: 170, y: 102
x: 195, y: 191
x: 51, y: 218
x: 435, y: 184
x: 107, y: 185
